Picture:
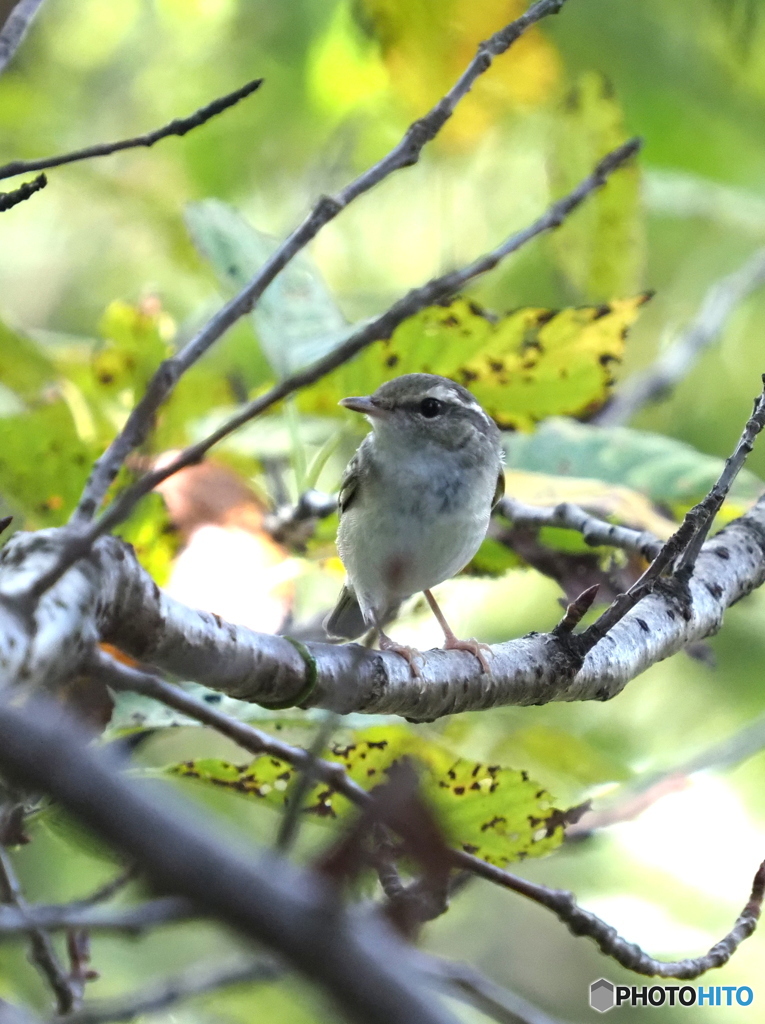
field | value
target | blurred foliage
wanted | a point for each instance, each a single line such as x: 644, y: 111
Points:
x: 120, y: 260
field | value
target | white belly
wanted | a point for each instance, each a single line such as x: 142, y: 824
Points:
x: 401, y: 537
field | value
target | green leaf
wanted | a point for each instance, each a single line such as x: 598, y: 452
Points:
x: 522, y: 367
x: 601, y: 246
x: 669, y: 472
x: 497, y: 813
x: 296, y: 319
x: 43, y: 464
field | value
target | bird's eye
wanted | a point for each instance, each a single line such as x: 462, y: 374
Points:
x: 431, y: 407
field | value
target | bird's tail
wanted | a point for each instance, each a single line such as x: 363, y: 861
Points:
x: 346, y: 621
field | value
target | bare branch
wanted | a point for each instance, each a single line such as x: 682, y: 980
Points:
x: 676, y: 362
x: 131, y: 920
x: 15, y: 28
x: 382, y: 327
x: 108, y: 596
x: 108, y: 889
x: 406, y: 153
x: 708, y: 508
x: 22, y: 193
x: 538, y: 668
x: 355, y: 957
x: 596, y: 532
x: 197, y: 981
x: 682, y: 549
x: 41, y: 951
x: 179, y: 126
x: 581, y: 922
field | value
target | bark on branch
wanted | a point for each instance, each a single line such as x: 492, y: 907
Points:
x: 110, y: 597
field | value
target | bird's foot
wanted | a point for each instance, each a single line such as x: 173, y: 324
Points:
x: 410, y: 653
x: 473, y: 646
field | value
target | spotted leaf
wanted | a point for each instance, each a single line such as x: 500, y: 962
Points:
x: 495, y: 812
x: 522, y: 367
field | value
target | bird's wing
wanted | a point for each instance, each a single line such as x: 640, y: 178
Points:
x: 499, y: 491
x: 349, y: 485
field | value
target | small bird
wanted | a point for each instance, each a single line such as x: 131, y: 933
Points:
x: 415, y: 503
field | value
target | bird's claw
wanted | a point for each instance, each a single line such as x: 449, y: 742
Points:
x: 409, y: 653
x: 473, y: 646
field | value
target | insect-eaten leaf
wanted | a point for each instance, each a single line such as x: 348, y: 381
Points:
x: 601, y: 247
x: 496, y: 813
x: 522, y: 367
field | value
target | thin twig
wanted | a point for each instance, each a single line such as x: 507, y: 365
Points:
x: 404, y: 154
x: 123, y: 677
x: 197, y: 981
x: 629, y: 955
x: 132, y: 920
x: 595, y: 532
x: 15, y: 28
x: 676, y: 362
x: 19, y: 195
x: 309, y: 774
x: 109, y: 889
x: 376, y: 330
x: 708, y: 508
x: 41, y: 951
x: 683, y: 547
x: 179, y: 126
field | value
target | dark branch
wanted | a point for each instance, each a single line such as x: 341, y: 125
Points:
x: 355, y: 957
x: 197, y: 981
x: 22, y: 193
x: 405, y: 154
x: 180, y: 126
x: 123, y: 677
x: 131, y: 920
x: 41, y: 951
x: 629, y: 955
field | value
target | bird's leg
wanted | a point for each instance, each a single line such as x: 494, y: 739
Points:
x: 409, y: 653
x: 451, y: 643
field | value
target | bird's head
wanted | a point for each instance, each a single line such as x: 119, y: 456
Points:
x: 421, y: 409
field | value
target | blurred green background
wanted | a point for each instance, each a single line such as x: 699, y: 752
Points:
x: 342, y: 82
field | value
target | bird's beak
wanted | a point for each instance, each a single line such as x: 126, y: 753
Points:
x: 363, y: 405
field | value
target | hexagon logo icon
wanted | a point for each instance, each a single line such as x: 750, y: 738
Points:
x: 602, y: 995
